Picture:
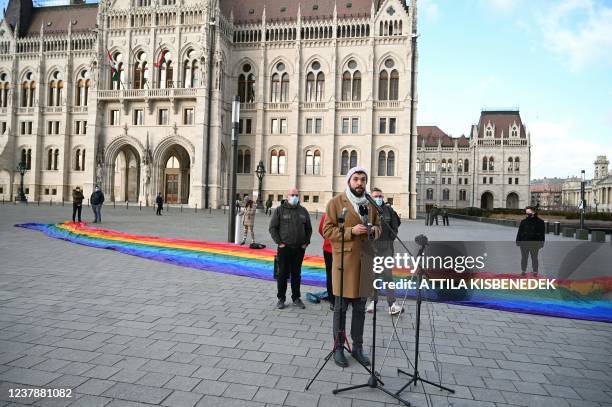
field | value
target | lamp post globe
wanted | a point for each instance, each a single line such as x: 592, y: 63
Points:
x: 260, y: 172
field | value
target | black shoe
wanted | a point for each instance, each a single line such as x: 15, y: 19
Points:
x: 523, y: 274
x: 339, y: 357
x: 331, y: 307
x: 280, y: 304
x: 359, y: 356
x: 298, y: 303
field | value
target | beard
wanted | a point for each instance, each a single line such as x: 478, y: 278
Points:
x: 358, y: 193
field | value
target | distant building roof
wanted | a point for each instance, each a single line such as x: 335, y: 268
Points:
x: 56, y: 19
x: 501, y: 120
x: 432, y: 135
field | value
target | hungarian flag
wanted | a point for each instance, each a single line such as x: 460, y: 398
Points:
x: 162, y: 58
x: 113, y: 67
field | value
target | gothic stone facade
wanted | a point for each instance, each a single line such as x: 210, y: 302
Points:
x: 135, y: 95
x: 490, y: 169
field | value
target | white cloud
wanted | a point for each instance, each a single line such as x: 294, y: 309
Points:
x: 578, y: 31
x: 559, y: 151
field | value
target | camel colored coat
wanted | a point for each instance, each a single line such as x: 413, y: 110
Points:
x: 358, y: 251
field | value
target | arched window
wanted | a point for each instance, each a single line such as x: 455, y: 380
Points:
x: 83, y: 160
x: 55, y: 159
x: 491, y: 164
x: 240, y: 162
x: 5, y: 85
x: 49, y: 158
x: 353, y: 160
x: 449, y: 165
x: 320, y: 87
x: 433, y: 165
x: 275, y: 88
x: 313, y: 162
x: 429, y: 194
x: 418, y: 165
x: 285, y: 88
x: 516, y: 164
x: 344, y: 166
x: 141, y: 71
x: 310, y: 79
x: 351, y: 82
x: 443, y: 165
x: 23, y: 155
x: 346, y: 86
x: 510, y: 164
x: 191, y: 70
x: 246, y: 84
x: 356, y: 85
x: 82, y: 88
x: 166, y: 70
x: 460, y: 166
x: 77, y: 160
x: 485, y: 161
x: 28, y: 89
x: 466, y: 165
x: 427, y: 166
x: 445, y: 194
x: 278, y: 161
x: 247, y: 162
x: 382, y: 163
x: 117, y: 72
x: 390, y: 164
x: 315, y: 83
x: 388, y: 82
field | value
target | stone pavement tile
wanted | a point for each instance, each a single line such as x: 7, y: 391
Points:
x: 561, y: 391
x: 240, y: 391
x: 128, y: 375
x: 55, y: 402
x: 266, y: 395
x: 67, y: 382
x: 244, y: 365
x: 503, y: 374
x: 94, y: 387
x: 497, y: 384
x: 101, y: 372
x: 182, y: 383
x: 173, y: 368
x: 28, y: 376
x: 334, y: 401
x: 129, y: 362
x: 206, y: 372
x: 211, y: 387
x: 182, y: 399
x: 594, y: 395
x: 487, y: 395
x: 75, y: 368
x: 27, y: 361
x: 471, y: 381
x: 532, y: 377
x: 282, y: 370
x: 106, y: 359
x: 72, y: 355
x: 578, y: 382
x: 137, y: 393
x: 299, y: 399
x: 530, y: 388
x: 91, y: 401
x: 257, y: 379
x: 212, y: 401
x: 154, y: 379
x: 291, y: 383
x: 583, y: 403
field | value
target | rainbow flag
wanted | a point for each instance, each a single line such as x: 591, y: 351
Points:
x: 586, y: 299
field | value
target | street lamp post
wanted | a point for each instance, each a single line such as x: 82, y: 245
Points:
x: 21, y: 167
x: 260, y: 172
x: 596, y: 203
x: 582, y: 201
x: 231, y: 232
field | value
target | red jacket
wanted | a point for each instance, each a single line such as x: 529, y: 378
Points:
x: 327, y: 247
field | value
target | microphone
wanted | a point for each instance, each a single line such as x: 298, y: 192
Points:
x: 373, y: 202
x: 363, y: 211
x: 421, y: 240
x: 342, y: 215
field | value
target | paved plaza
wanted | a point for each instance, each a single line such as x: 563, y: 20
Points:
x: 120, y: 330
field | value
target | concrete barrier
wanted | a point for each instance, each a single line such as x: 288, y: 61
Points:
x: 546, y: 226
x: 582, y: 234
x: 557, y: 228
x: 568, y: 232
x: 598, y: 236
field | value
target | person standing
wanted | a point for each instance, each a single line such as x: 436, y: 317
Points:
x: 248, y: 221
x: 77, y: 203
x: 269, y: 206
x: 96, y: 200
x: 291, y: 230
x: 328, y: 257
x: 160, y: 203
x: 444, y: 216
x: 358, y: 259
x: 434, y: 215
x: 530, y: 239
x: 384, y: 247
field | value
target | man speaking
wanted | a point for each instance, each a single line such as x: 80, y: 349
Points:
x: 358, y: 255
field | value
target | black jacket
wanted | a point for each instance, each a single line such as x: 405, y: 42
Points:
x: 290, y: 225
x: 390, y: 227
x: 159, y: 200
x: 531, y: 230
x: 77, y: 197
x: 97, y: 198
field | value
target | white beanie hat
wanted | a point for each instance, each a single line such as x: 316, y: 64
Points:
x: 353, y: 170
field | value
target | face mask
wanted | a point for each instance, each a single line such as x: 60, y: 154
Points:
x: 293, y: 200
x: 531, y: 215
x: 379, y: 201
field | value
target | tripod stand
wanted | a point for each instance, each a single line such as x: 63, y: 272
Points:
x: 415, y: 375
x: 340, y: 340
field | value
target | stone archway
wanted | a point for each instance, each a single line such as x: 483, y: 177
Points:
x: 512, y: 201
x: 125, y: 175
x: 174, y: 178
x: 486, y: 201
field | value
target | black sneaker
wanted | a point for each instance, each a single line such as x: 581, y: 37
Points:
x: 298, y: 303
x: 359, y: 356
x: 339, y: 357
x: 280, y: 304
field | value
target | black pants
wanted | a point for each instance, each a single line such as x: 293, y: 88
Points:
x: 526, y: 251
x: 357, y: 320
x: 289, y: 265
x: 328, y: 275
x: 76, y: 210
x: 432, y: 219
x: 159, y: 209
x: 445, y: 220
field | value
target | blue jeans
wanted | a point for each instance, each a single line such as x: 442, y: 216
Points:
x: 97, y: 210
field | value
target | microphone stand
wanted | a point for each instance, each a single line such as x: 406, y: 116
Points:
x: 416, y: 377
x: 342, y: 331
x: 373, y: 382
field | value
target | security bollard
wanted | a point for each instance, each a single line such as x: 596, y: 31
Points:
x: 557, y: 228
x: 196, y: 208
x: 546, y: 226
x: 127, y: 205
x: 210, y: 210
x: 568, y: 232
x: 51, y: 202
x: 139, y: 206
x: 38, y: 202
x: 582, y: 234
x: 598, y: 236
x: 181, y: 208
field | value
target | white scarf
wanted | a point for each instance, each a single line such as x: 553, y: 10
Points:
x: 356, y: 201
